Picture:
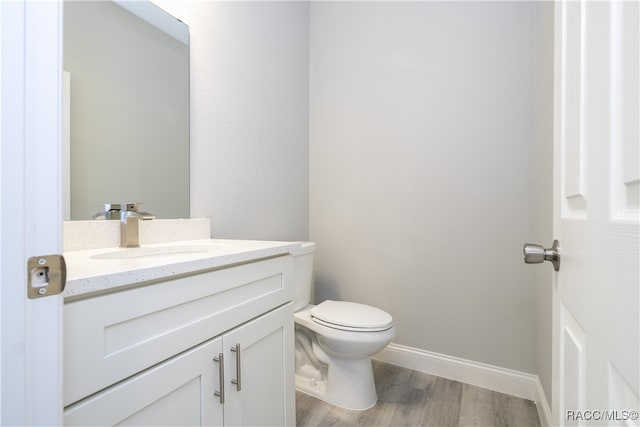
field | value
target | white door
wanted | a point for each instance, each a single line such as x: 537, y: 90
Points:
x: 30, y: 209
x: 596, y: 355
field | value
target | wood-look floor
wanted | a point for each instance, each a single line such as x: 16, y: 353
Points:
x: 412, y: 398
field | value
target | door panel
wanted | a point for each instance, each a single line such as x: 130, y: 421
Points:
x: 179, y: 391
x: 625, y: 127
x: 572, y: 371
x: 267, y: 369
x: 596, y: 151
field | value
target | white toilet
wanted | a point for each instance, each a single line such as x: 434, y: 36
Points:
x: 335, y: 341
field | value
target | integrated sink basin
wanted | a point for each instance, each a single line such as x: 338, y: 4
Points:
x: 146, y: 252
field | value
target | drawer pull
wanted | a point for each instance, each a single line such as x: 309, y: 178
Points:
x: 220, y: 360
x: 238, y: 380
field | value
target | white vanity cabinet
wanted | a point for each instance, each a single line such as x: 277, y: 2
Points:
x: 167, y: 353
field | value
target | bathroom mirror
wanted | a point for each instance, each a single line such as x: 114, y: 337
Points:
x: 126, y: 108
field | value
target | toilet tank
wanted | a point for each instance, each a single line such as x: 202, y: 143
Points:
x: 303, y: 274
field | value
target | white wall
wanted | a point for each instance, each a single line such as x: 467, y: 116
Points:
x: 428, y: 121
x: 421, y: 170
x: 543, y: 200
x: 249, y: 116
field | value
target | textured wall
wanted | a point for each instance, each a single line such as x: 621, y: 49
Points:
x: 421, y: 170
x: 249, y: 116
x: 428, y: 155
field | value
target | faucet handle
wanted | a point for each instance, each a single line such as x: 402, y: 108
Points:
x: 130, y: 207
x: 122, y: 210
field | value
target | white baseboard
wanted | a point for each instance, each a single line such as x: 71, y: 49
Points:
x: 494, y: 378
x: 544, y: 412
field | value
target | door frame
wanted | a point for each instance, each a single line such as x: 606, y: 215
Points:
x: 30, y: 209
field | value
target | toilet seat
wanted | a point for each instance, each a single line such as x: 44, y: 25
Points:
x: 351, y: 316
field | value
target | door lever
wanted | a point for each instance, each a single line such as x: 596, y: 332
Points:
x: 535, y: 254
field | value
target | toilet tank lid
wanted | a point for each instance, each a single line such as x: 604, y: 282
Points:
x: 351, y: 314
x: 304, y: 248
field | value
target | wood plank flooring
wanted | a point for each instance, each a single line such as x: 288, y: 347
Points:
x: 412, y: 398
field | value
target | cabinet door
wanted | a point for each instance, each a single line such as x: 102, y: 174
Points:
x: 179, y: 391
x: 265, y: 370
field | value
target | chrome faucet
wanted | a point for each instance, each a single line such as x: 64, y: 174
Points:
x: 129, y: 224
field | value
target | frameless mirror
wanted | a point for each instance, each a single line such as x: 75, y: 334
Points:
x: 126, y: 108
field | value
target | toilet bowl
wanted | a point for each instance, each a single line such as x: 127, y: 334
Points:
x: 335, y: 341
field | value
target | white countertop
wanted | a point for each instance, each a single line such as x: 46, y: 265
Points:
x: 87, y: 274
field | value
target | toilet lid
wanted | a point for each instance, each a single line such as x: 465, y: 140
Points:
x: 351, y: 316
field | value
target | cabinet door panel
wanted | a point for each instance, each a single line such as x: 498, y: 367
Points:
x: 163, y: 411
x: 179, y: 391
x: 266, y: 397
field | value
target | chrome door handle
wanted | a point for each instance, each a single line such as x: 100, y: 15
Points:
x: 220, y: 360
x: 535, y: 254
x: 238, y: 380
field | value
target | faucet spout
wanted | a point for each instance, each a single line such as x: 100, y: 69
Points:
x: 129, y: 230
x: 130, y: 225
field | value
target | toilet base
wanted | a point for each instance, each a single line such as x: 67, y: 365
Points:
x: 349, y: 384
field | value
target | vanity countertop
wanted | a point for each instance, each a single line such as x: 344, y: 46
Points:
x: 103, y: 270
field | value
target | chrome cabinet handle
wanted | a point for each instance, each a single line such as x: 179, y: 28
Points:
x: 535, y: 254
x: 238, y: 380
x: 220, y: 360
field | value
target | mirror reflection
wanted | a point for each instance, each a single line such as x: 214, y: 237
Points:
x: 127, y: 88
